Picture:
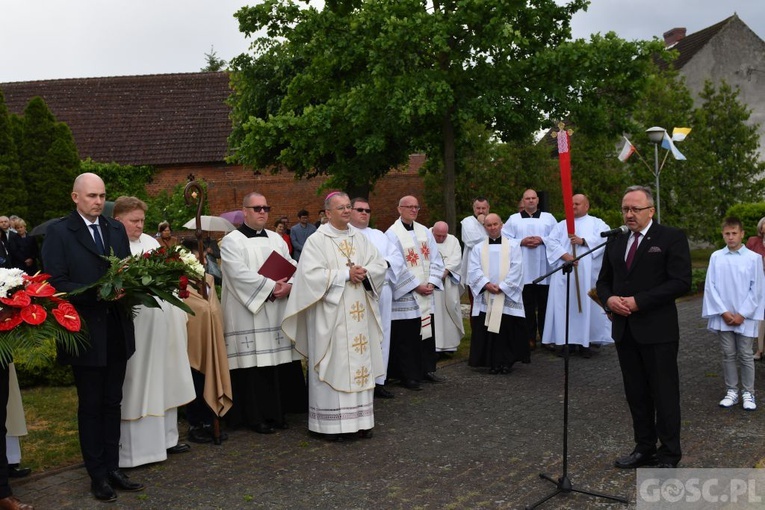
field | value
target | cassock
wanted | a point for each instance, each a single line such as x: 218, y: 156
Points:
x: 499, y: 337
x: 447, y: 309
x: 336, y: 325
x: 473, y: 232
x: 396, y: 267
x: 157, y: 379
x: 266, y: 377
x: 591, y: 325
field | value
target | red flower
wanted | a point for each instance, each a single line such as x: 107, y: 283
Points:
x: 41, y: 289
x: 67, y: 316
x: 9, y: 319
x: 183, y: 294
x: 147, y: 255
x: 184, y: 281
x: 34, y: 315
x: 37, y: 278
x: 20, y: 299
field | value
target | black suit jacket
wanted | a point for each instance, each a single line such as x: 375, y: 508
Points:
x: 660, y: 273
x: 71, y: 258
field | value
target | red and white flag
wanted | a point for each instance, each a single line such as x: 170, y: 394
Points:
x: 627, y: 151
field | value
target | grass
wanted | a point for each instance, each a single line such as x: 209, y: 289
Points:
x: 52, y: 442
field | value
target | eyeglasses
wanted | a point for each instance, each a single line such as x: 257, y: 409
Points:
x: 412, y: 207
x: 259, y: 208
x: 361, y: 209
x: 635, y: 210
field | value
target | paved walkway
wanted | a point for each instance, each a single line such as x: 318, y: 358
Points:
x: 476, y: 441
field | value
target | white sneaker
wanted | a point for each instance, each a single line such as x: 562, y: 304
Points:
x: 731, y: 399
x: 748, y: 403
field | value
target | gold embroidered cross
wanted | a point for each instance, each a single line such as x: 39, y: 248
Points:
x: 360, y: 344
x: 362, y: 376
x: 357, y: 311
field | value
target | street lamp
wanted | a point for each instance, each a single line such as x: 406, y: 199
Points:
x: 656, y: 135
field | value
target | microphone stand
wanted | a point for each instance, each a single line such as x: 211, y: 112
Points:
x: 563, y: 484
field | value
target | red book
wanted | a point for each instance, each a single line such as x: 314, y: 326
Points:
x: 277, y: 267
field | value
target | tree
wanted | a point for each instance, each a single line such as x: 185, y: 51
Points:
x: 48, y: 157
x: 358, y: 86
x: 214, y: 64
x: 15, y: 197
x: 723, y: 146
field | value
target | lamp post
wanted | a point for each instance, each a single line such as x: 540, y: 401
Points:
x: 656, y: 135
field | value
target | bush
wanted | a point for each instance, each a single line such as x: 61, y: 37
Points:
x: 698, y: 277
x: 38, y: 367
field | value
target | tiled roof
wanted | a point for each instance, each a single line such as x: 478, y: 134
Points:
x: 138, y: 120
x: 688, y: 46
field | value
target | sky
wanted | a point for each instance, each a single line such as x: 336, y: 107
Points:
x: 52, y: 39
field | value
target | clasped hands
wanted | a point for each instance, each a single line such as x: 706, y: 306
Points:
x: 531, y: 241
x: 733, y: 319
x: 622, y: 305
x: 357, y: 274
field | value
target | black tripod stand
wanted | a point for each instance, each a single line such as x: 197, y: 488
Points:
x: 563, y: 484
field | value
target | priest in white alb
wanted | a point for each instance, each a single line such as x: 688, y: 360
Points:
x: 360, y: 216
x: 158, y: 376
x: 266, y: 377
x: 447, y: 309
x: 495, y: 277
x: 472, y: 233
x: 333, y: 317
x: 413, y: 347
x: 588, y: 324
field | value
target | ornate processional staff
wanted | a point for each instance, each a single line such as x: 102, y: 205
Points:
x: 564, y: 161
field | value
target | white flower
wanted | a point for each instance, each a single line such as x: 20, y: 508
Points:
x: 10, y: 279
x: 191, y: 262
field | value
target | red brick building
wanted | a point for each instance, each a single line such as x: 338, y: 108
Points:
x: 179, y: 124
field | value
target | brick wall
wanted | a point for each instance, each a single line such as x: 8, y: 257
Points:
x: 227, y: 185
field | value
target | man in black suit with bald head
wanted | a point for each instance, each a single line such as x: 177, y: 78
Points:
x: 643, y: 273
x: 73, y: 256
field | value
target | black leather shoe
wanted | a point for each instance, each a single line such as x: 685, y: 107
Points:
x: 200, y: 435
x: 179, y: 448
x: 667, y: 465
x: 432, y: 377
x: 14, y: 471
x: 263, y: 428
x: 411, y: 384
x: 102, y: 491
x: 120, y: 480
x: 636, y: 460
x: 381, y: 392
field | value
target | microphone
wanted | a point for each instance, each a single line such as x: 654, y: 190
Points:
x: 615, y: 231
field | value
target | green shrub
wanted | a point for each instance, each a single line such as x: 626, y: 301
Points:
x: 698, y: 277
x: 38, y: 367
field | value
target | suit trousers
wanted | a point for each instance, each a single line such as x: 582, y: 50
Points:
x: 652, y: 388
x: 99, y: 392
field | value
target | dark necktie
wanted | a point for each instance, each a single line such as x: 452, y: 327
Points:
x: 99, y: 242
x: 633, y: 249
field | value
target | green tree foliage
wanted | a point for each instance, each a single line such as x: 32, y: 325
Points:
x: 121, y: 180
x: 47, y: 158
x: 723, y: 152
x: 352, y: 89
x: 214, y: 63
x: 172, y: 207
x: 15, y: 197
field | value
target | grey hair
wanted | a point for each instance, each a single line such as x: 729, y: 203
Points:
x: 760, y: 224
x: 329, y: 198
x: 645, y: 189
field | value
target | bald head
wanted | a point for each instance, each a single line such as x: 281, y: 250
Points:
x: 440, y: 231
x: 89, y: 194
x: 581, y: 205
x: 493, y: 225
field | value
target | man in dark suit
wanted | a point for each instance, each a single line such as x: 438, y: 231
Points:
x: 10, y: 245
x: 642, y: 275
x: 72, y: 254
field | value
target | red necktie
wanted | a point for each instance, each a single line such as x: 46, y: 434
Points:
x: 633, y: 249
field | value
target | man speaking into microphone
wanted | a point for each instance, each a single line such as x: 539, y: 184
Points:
x: 643, y: 273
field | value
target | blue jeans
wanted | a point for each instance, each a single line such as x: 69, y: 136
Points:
x: 737, y: 350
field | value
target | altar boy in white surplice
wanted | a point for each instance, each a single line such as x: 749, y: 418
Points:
x: 333, y: 317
